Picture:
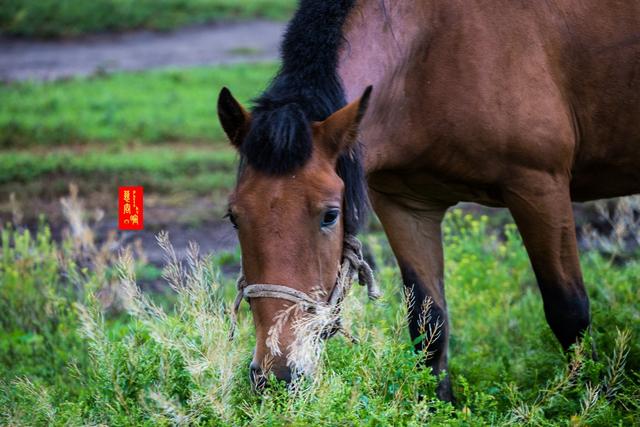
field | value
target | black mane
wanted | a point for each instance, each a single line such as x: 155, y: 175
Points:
x: 306, y: 88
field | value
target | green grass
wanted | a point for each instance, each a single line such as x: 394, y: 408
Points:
x: 158, y: 129
x: 114, y: 110
x: 165, y: 169
x: 65, y: 363
x: 64, y: 18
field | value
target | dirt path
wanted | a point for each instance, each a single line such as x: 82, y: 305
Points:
x: 205, y: 45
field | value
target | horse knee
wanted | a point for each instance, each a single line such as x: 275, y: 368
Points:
x: 567, y: 312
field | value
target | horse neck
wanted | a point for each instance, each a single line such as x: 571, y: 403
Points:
x: 379, y: 38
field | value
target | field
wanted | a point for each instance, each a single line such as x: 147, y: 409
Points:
x: 72, y: 356
x: 68, y: 18
x: 125, y: 108
x: 158, y: 129
x: 92, y: 334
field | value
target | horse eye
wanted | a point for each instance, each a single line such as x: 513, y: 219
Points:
x: 330, y: 217
x: 232, y: 219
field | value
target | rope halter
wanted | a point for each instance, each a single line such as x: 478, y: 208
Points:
x: 352, y: 262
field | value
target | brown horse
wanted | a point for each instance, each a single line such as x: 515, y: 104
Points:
x: 528, y: 105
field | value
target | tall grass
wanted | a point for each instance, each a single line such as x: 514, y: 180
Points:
x: 175, y: 366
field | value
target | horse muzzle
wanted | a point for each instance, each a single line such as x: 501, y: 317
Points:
x: 259, y: 378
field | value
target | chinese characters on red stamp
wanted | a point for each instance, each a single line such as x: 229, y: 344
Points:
x: 130, y: 208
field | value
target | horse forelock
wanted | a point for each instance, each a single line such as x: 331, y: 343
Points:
x: 279, y: 140
x: 306, y: 89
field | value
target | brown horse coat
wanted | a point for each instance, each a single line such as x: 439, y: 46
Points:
x: 523, y: 104
x: 528, y: 105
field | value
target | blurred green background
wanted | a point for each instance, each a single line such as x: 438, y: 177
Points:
x: 155, y: 127
x: 66, y: 18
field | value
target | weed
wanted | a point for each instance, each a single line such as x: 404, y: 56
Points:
x: 176, y: 366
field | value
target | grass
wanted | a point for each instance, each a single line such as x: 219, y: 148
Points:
x: 158, y: 129
x: 116, y: 110
x: 164, y: 170
x: 68, y: 18
x: 74, y: 362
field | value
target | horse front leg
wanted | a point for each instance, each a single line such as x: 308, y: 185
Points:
x: 415, y: 238
x: 541, y: 207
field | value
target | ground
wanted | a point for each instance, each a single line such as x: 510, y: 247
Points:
x: 82, y: 345
x: 208, y: 45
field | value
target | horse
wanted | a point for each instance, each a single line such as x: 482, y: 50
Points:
x: 506, y: 103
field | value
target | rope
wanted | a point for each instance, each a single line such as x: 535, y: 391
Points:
x: 352, y: 262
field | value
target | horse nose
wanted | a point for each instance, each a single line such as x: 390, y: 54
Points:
x: 283, y: 374
x: 259, y: 379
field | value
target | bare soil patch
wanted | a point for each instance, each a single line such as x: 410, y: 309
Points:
x: 219, y: 44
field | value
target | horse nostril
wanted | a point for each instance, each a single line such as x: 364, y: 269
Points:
x: 258, y: 380
x: 283, y: 375
x: 254, y: 368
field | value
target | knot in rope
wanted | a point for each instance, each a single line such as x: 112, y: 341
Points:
x: 352, y: 262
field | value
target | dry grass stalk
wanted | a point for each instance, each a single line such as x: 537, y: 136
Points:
x: 134, y: 301
x: 616, y: 365
x: 172, y: 272
x: 528, y: 413
x: 171, y: 409
x: 39, y: 397
x: 430, y: 331
x: 74, y: 212
x: 273, y: 335
x: 207, y: 353
x: 16, y: 211
x: 85, y: 252
x: 589, y: 401
x: 306, y: 349
x: 594, y: 396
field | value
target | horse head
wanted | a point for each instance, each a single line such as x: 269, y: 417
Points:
x: 288, y: 208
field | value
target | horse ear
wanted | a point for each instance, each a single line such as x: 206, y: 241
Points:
x: 340, y: 130
x: 235, y: 120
